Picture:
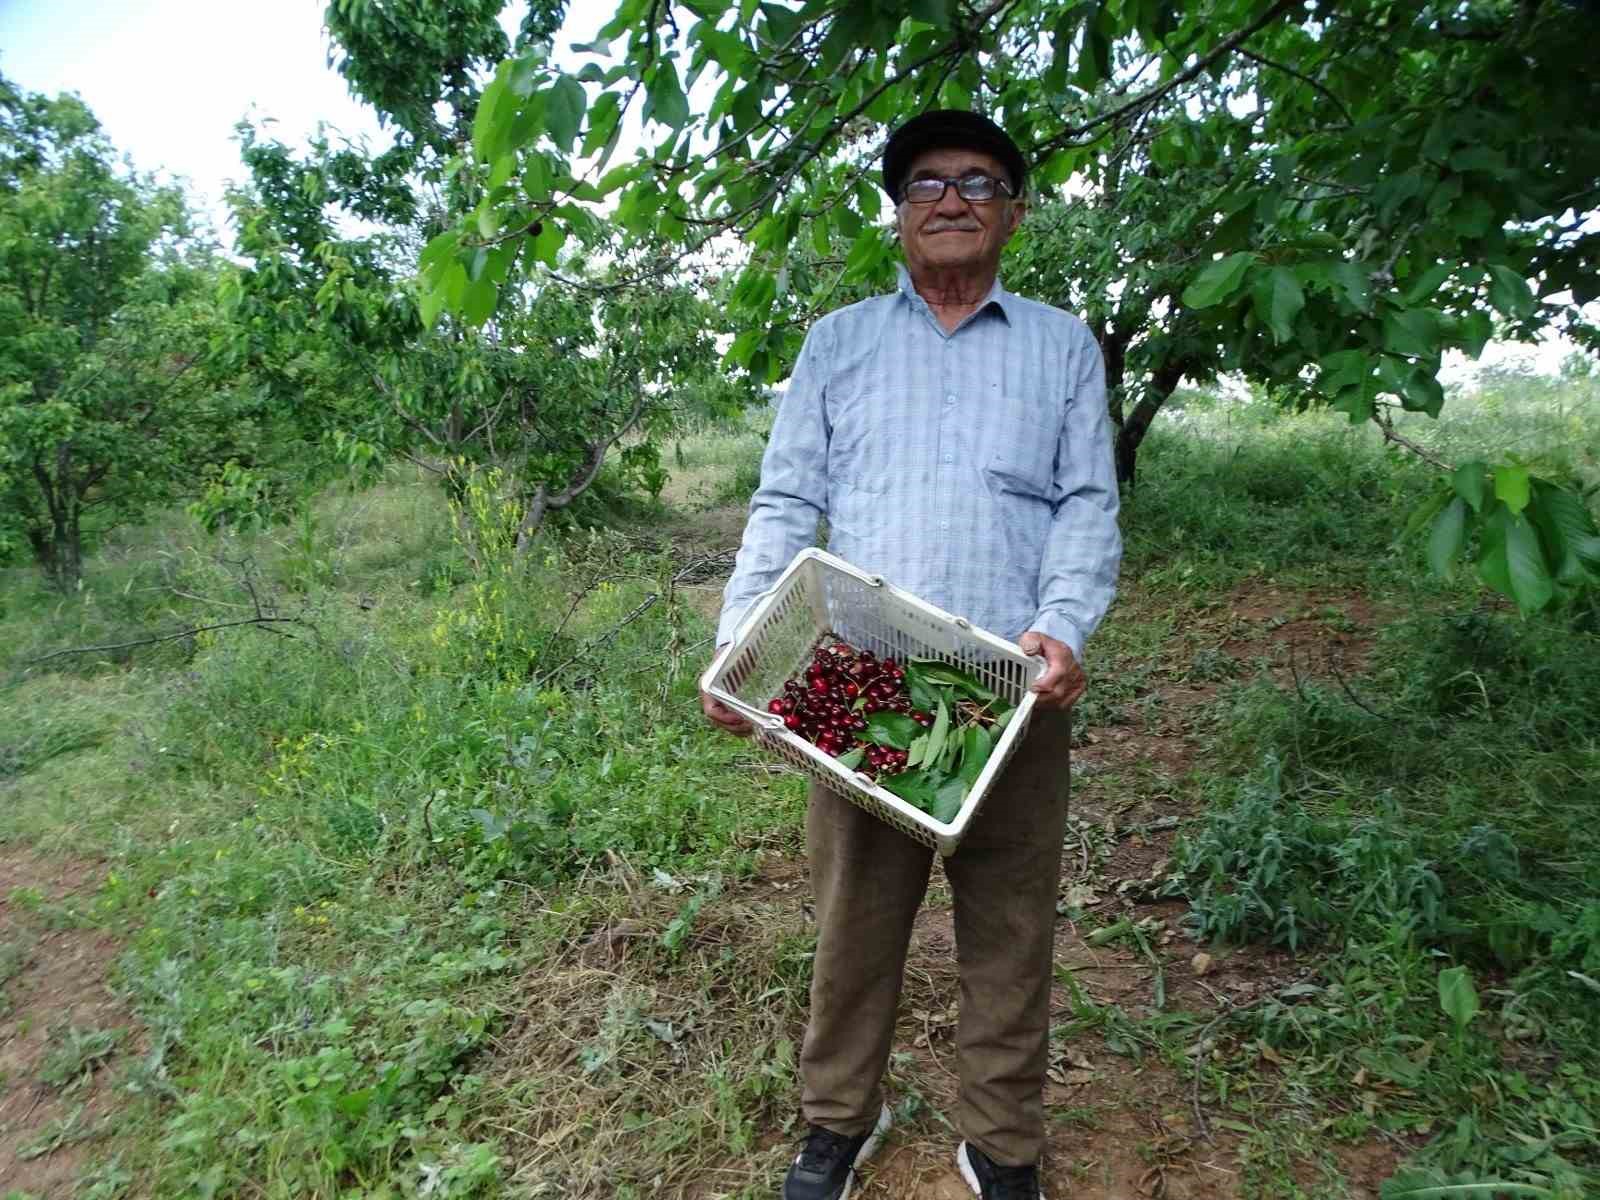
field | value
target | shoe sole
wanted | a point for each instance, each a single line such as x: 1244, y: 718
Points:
x: 868, y: 1149
x: 971, y: 1176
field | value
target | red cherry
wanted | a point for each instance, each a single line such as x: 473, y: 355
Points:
x: 792, y: 721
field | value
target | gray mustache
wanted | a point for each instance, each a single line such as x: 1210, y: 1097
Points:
x: 942, y: 226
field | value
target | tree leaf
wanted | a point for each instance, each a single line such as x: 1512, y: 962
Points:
x: 664, y: 98
x: 892, y: 729
x: 548, y: 242
x: 429, y: 304
x: 947, y: 800
x: 1509, y: 292
x: 492, y: 122
x: 1278, y: 299
x: 604, y: 118
x: 914, y: 787
x: 1471, y: 482
x: 976, y: 747
x: 1413, y: 332
x: 1422, y: 391
x: 1448, y: 536
x: 1511, y: 486
x: 1429, y: 282
x: 942, y: 673
x: 1565, y: 523
x: 938, y: 13
x: 565, y: 104
x: 918, y: 751
x: 851, y: 759
x: 438, y: 250
x: 1526, y: 572
x: 478, y: 301
x: 1473, y: 331
x: 938, y: 734
x: 922, y: 694
x: 864, y: 254
x: 1354, y: 283
x: 1218, y: 280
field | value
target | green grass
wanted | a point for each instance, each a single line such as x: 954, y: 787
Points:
x: 447, y: 886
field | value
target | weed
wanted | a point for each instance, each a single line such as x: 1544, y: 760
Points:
x: 75, y: 1054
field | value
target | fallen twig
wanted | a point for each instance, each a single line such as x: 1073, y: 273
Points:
x: 172, y: 637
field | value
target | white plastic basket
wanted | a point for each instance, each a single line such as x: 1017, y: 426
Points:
x: 819, y: 594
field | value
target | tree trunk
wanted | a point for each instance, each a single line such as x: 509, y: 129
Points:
x: 1131, y: 430
x: 58, y: 545
x: 58, y: 550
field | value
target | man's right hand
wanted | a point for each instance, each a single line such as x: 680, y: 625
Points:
x: 723, y: 717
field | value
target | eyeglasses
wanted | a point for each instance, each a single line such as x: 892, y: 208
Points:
x: 975, y: 188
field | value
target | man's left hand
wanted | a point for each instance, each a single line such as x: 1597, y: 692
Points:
x: 1063, y: 682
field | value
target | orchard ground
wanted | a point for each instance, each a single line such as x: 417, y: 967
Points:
x: 444, y: 888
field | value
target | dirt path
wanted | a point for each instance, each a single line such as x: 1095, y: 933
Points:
x: 60, y: 1025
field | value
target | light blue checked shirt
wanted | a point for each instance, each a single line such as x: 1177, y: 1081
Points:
x: 971, y: 468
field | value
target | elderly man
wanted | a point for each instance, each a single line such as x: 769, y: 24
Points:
x: 956, y: 438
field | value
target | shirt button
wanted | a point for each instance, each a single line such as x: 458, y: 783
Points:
x: 949, y: 399
x: 944, y: 524
x: 949, y: 458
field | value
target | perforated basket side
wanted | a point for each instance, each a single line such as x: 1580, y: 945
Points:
x: 775, y: 644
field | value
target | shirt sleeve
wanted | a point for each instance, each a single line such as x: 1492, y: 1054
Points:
x: 1083, y: 551
x: 793, y: 494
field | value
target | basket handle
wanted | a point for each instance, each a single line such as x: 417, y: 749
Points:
x: 870, y: 580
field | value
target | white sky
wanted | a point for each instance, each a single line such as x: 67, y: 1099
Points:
x: 169, y: 79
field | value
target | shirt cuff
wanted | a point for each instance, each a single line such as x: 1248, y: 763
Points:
x: 1053, y: 624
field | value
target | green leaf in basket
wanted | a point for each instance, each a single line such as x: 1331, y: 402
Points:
x: 922, y: 694
x: 919, y: 748
x: 892, y: 729
x: 1003, y: 720
x: 851, y: 759
x: 947, y: 800
x: 914, y: 787
x: 937, y: 672
x: 952, y: 751
x: 975, y: 750
x: 938, y: 734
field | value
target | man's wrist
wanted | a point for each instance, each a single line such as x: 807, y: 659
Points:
x: 1062, y: 629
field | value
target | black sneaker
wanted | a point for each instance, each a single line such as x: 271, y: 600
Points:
x: 990, y: 1181
x: 825, y: 1167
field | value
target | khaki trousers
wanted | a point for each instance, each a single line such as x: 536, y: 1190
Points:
x: 869, y: 879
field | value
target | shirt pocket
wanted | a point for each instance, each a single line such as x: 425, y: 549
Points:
x: 861, y: 448
x: 1022, y: 457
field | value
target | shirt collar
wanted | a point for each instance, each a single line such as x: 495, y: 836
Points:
x: 1001, y: 299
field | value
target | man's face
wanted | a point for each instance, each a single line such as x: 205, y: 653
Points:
x: 956, y: 233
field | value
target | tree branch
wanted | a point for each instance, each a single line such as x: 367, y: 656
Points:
x: 1303, y: 78
x: 171, y: 637
x: 1223, y: 48
x: 1385, y: 422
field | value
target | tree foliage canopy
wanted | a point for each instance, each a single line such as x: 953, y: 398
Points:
x: 1326, y: 196
x: 106, y: 405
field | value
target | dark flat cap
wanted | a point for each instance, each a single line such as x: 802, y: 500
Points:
x: 942, y: 129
